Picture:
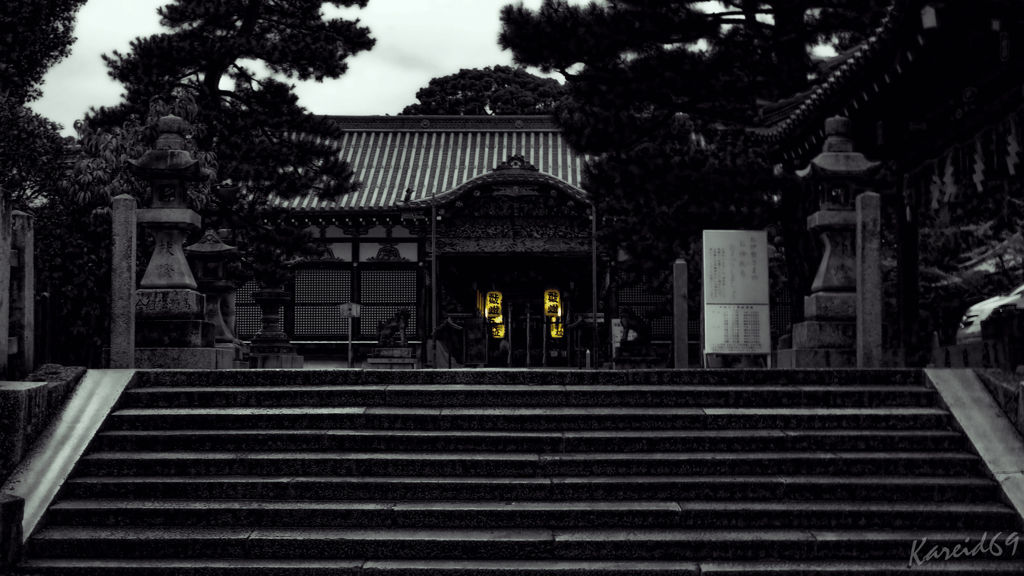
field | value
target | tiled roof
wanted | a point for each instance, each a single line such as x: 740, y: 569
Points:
x: 432, y: 155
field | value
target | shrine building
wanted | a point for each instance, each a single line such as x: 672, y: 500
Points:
x: 499, y: 201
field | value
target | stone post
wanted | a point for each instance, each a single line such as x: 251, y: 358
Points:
x: 170, y: 327
x: 122, y: 284
x: 869, y: 281
x: 828, y: 336
x: 21, y: 361
x: 681, y: 308
x: 5, y: 281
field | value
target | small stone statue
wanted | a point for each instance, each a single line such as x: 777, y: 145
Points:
x: 392, y: 333
x: 634, y: 329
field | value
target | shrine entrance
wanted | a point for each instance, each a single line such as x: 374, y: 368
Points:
x: 517, y: 234
x: 518, y: 286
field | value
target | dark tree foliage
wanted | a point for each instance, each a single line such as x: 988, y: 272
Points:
x: 263, y: 141
x: 498, y: 90
x: 649, y: 79
x: 262, y: 137
x: 30, y: 146
x: 34, y: 35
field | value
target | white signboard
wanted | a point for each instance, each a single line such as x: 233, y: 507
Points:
x: 736, y: 319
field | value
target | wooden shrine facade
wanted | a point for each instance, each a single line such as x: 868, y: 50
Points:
x: 482, y: 204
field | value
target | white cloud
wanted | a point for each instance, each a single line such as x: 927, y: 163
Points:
x: 417, y: 40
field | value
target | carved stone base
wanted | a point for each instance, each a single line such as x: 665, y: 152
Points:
x: 169, y: 303
x: 276, y: 361
x: 391, y: 363
x: 391, y: 352
x: 819, y: 334
x: 184, y: 358
x: 817, y: 358
x: 174, y: 334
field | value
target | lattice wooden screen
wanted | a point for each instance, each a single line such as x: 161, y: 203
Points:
x: 247, y: 313
x: 780, y: 312
x: 382, y: 294
x: 642, y: 302
x: 317, y: 295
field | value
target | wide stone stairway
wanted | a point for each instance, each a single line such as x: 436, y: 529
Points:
x: 526, y: 472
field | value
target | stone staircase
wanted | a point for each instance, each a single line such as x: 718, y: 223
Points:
x: 526, y: 472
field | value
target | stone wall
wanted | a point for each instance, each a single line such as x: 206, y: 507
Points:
x: 28, y: 407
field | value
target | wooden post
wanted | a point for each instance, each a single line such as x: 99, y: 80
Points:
x: 527, y: 335
x: 680, y: 304
x: 433, y: 278
x: 593, y: 273
x: 907, y: 266
x: 5, y: 279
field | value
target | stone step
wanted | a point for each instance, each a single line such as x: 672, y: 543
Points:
x: 535, y: 376
x: 271, y: 567
x: 562, y: 488
x: 488, y: 544
x: 518, y: 418
x: 302, y: 463
x: 531, y: 514
x: 520, y: 441
x: 504, y: 567
x: 539, y: 396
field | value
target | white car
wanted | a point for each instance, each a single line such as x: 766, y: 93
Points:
x: 970, y: 325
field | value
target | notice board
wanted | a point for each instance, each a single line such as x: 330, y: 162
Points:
x: 735, y: 294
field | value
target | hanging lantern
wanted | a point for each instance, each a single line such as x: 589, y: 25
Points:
x: 557, y: 328
x: 552, y: 303
x: 493, y: 305
x: 498, y: 327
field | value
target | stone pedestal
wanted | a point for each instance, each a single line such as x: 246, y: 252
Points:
x: 191, y: 358
x: 271, y: 347
x: 828, y: 336
x: 392, y: 358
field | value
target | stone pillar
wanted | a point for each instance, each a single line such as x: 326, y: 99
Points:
x: 122, y: 284
x: 869, y: 281
x: 681, y: 308
x: 21, y: 361
x: 827, y: 338
x: 5, y: 281
x: 170, y: 328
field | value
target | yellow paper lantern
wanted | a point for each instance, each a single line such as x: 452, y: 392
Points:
x: 493, y: 304
x: 552, y: 303
x: 557, y: 328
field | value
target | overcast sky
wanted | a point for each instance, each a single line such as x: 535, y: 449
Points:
x: 416, y: 40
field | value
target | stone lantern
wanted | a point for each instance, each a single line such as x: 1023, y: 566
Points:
x: 828, y: 336
x: 271, y: 348
x: 208, y: 258
x: 171, y: 331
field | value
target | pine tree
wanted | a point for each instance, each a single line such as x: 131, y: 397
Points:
x: 33, y: 37
x: 498, y: 90
x: 659, y: 94
x: 260, y: 134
